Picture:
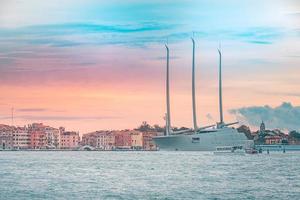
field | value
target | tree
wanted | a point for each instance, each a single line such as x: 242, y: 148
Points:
x: 158, y: 128
x: 294, y: 134
x: 144, y: 127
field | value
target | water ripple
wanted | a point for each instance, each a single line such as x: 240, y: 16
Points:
x: 148, y: 175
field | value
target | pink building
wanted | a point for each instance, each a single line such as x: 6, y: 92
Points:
x: 123, y: 139
x: 69, y: 140
x: 38, y: 140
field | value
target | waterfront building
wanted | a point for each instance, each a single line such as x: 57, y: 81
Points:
x: 38, y: 139
x: 36, y: 127
x: 43, y: 137
x: 294, y: 141
x: 273, y: 139
x: 136, y: 139
x: 69, y: 140
x: 105, y: 140
x: 259, y: 138
x: 21, y: 138
x: 6, y: 140
x: 123, y: 139
x: 89, y: 139
x: 294, y: 137
x: 6, y: 137
x: 53, y: 137
x: 262, y: 128
x: 148, y: 143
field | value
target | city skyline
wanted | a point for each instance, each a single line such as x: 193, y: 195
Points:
x: 91, y: 65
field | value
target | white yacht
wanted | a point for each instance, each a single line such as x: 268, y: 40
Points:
x: 199, y: 138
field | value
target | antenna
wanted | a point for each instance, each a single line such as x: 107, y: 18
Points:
x: 193, y: 88
x: 220, y: 88
x: 168, y: 120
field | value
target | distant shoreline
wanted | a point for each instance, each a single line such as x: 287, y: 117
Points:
x: 264, y: 147
x: 69, y: 150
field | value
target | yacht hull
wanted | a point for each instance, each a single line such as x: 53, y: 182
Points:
x: 202, y: 141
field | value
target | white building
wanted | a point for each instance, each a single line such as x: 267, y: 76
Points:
x: 21, y: 139
x: 105, y: 140
x: 53, y: 137
x: 136, y: 139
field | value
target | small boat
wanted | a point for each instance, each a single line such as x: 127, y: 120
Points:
x: 239, y: 150
x: 251, y: 151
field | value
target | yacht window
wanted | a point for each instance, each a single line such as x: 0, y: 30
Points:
x: 195, y: 140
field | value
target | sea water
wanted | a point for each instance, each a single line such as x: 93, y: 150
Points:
x: 148, y: 175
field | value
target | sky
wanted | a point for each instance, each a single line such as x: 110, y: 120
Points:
x: 90, y: 65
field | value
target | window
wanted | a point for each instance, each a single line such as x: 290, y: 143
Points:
x: 195, y: 140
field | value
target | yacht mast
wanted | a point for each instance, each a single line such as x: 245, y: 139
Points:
x: 193, y: 89
x: 168, y: 120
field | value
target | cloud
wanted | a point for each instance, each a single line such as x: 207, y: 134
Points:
x: 293, y: 14
x: 76, y: 34
x: 31, y: 110
x: 84, y: 28
x: 135, y: 34
x: 54, y: 42
x: 285, y: 116
x: 253, y: 35
x: 260, y: 35
x: 291, y: 94
x: 60, y: 118
x: 259, y: 42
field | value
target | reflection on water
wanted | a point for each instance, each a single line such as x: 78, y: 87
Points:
x: 148, y: 175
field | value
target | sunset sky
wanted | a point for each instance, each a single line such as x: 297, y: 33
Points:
x: 95, y: 64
